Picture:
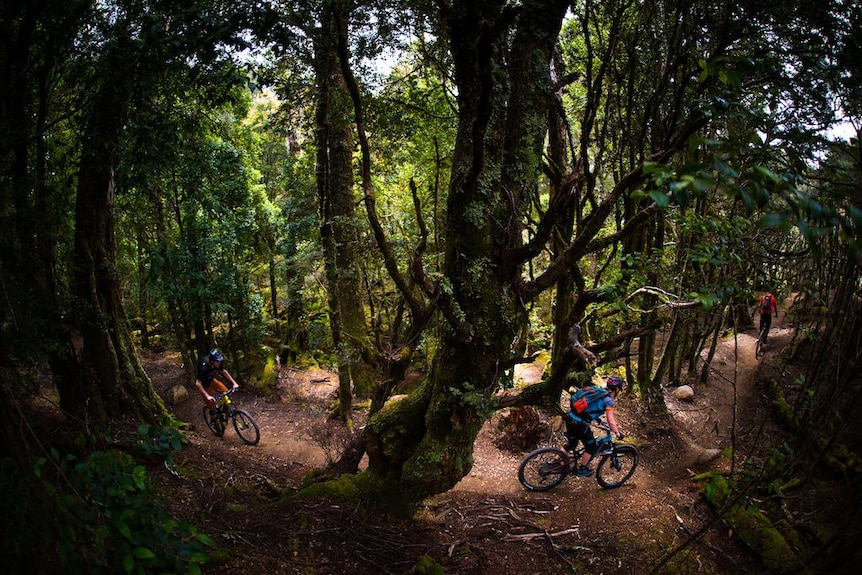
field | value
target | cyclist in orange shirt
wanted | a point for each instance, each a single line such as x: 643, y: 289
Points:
x: 210, y: 371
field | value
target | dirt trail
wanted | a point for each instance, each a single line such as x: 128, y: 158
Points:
x: 729, y: 396
x: 655, y: 509
x: 704, y: 423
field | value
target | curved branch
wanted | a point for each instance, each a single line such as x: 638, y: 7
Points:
x: 592, y: 224
x: 631, y: 227
x: 547, y: 391
x: 558, y: 207
x: 417, y: 307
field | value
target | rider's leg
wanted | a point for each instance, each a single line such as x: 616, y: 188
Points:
x: 590, y: 446
x: 215, y: 387
x: 572, y: 434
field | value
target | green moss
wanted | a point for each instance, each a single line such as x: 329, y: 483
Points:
x: 364, y: 487
x: 258, y: 366
x: 751, y: 526
x: 783, y: 410
x: 844, y: 462
x: 758, y: 533
x: 343, y: 488
x: 219, y: 556
x: 362, y: 405
x: 303, y: 523
x: 425, y: 565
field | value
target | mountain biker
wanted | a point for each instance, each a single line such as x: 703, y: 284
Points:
x: 768, y: 306
x: 581, y: 430
x: 209, y: 373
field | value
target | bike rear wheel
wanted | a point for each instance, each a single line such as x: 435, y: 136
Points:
x: 617, y: 465
x: 246, y: 427
x: 214, y: 421
x: 544, y: 469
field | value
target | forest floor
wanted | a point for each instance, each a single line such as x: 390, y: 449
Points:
x: 487, y: 524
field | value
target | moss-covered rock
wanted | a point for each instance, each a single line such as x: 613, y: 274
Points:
x: 752, y: 527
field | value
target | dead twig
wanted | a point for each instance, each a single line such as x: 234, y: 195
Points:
x: 540, y: 535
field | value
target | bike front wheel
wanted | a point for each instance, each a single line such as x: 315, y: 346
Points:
x: 246, y: 427
x: 214, y: 421
x: 617, y: 465
x: 544, y: 469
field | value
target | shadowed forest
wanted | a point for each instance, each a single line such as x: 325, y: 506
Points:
x: 410, y: 226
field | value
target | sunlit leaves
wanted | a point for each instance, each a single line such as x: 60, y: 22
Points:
x: 680, y: 186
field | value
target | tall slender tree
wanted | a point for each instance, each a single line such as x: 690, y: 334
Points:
x: 339, y: 225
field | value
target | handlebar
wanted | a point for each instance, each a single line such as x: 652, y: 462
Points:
x: 218, y: 396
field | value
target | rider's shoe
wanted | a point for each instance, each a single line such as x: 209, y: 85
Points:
x: 584, y: 471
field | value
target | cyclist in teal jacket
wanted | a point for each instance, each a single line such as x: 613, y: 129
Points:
x: 581, y: 430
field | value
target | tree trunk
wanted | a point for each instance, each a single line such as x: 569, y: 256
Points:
x: 111, y: 380
x: 179, y: 328
x: 273, y: 283
x: 335, y: 144
x: 558, y: 144
x: 498, y: 152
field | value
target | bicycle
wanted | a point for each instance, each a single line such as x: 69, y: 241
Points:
x: 547, y: 467
x: 759, y: 350
x: 244, y: 424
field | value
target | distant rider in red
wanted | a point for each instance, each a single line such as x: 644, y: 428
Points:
x: 768, y: 307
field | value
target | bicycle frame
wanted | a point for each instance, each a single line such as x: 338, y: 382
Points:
x: 244, y: 424
x: 223, y: 401
x: 604, y: 444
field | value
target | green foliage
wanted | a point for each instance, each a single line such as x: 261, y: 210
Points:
x: 426, y: 565
x: 161, y: 441
x: 468, y: 396
x: 96, y: 513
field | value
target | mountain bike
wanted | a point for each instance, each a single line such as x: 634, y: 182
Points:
x: 761, y: 342
x: 547, y: 467
x: 244, y: 424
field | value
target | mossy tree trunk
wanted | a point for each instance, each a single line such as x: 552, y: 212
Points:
x: 108, y: 378
x: 336, y: 196
x: 424, y: 444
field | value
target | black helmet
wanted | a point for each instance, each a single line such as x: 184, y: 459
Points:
x: 615, y: 383
x: 216, y: 355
